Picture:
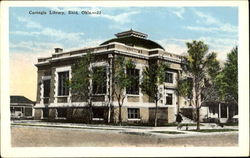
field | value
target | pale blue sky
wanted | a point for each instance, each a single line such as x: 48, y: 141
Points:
x: 169, y: 26
x: 33, y: 36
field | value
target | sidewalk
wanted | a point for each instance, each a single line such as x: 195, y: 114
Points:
x: 140, y: 130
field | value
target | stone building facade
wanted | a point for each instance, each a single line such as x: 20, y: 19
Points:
x: 54, y: 101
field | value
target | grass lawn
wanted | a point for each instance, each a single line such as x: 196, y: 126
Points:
x: 168, y: 132
x: 215, y: 130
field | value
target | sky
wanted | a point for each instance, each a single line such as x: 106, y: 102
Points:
x: 35, y: 35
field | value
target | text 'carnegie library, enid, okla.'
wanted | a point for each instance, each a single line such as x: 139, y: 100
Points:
x: 69, y: 12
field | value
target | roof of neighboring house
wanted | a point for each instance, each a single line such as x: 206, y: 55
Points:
x: 20, y: 99
x: 134, y: 38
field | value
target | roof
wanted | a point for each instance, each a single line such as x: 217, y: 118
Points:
x: 134, y: 38
x: 131, y: 33
x: 20, y: 99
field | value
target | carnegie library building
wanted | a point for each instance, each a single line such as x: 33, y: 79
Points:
x: 55, y: 101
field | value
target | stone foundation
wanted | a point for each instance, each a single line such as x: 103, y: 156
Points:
x: 146, y: 115
x: 38, y: 114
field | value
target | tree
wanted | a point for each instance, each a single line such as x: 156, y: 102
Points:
x: 202, y: 67
x: 86, y: 81
x: 122, y: 80
x: 184, y: 88
x: 153, y: 76
x: 227, y: 80
x: 209, y: 92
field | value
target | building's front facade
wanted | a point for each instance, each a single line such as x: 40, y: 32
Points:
x: 55, y: 101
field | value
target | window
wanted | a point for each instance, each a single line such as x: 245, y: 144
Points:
x: 134, y: 87
x: 133, y: 113
x: 61, y: 112
x: 169, y: 99
x: 63, y: 89
x: 46, y: 88
x: 28, y: 112
x: 18, y: 109
x: 213, y: 110
x: 223, y: 111
x: 169, y: 77
x: 98, y: 112
x: 99, y: 80
x: 12, y: 109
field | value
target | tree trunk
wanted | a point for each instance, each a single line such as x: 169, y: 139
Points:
x: 196, y: 91
x: 120, y: 115
x: 198, y: 118
x: 90, y: 114
x: 90, y: 108
x: 156, y: 113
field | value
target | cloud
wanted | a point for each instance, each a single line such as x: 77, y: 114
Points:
x: 61, y: 35
x: 176, y: 46
x: 222, y: 46
x: 120, y: 18
x: 179, y: 12
x: 33, y: 47
x: 217, y: 25
x: 224, y: 28
x: 29, y: 23
x: 206, y: 18
x: 47, y: 31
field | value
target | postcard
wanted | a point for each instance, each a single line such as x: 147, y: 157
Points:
x: 114, y: 78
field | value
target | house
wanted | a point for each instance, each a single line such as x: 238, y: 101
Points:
x: 21, y: 107
x: 55, y: 100
x: 220, y: 112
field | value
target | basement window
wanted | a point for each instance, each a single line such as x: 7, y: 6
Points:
x: 133, y: 113
x: 62, y: 112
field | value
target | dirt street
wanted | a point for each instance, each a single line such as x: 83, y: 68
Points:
x: 61, y: 137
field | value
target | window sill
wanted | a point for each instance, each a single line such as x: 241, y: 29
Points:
x: 62, y: 96
x: 134, y: 119
x: 97, y: 119
x: 169, y: 105
x: 133, y: 95
x: 98, y: 95
x: 61, y: 118
x: 169, y: 82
